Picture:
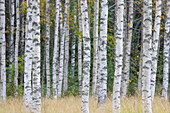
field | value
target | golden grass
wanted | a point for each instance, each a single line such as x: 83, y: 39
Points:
x: 73, y: 105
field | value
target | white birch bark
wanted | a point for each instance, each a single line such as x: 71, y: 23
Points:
x: 147, y: 60
x: 166, y: 53
x: 56, y: 53
x: 118, y: 56
x: 47, y: 47
x: 11, y: 43
x: 140, y: 66
x: 103, y: 54
x: 95, y: 46
x: 73, y: 42
x: 61, y: 66
x: 66, y: 60
x: 155, y: 43
x: 28, y: 57
x: 3, y: 51
x: 17, y: 43
x: 86, y: 57
x: 80, y: 48
x: 36, y: 87
x: 22, y: 39
x: 127, y: 43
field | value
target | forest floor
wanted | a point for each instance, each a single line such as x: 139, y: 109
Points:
x: 73, y: 105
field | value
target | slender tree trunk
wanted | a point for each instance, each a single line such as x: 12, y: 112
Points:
x: 86, y: 57
x: 36, y: 91
x: 95, y: 46
x: 66, y: 60
x: 43, y: 74
x: 17, y: 43
x: 28, y: 57
x: 73, y: 42
x: 155, y: 45
x: 80, y: 48
x: 166, y: 53
x: 119, y: 56
x: 3, y: 51
x: 56, y: 52
x: 61, y: 67
x: 22, y: 42
x: 147, y: 60
x: 47, y: 45
x: 127, y: 43
x: 11, y: 43
x: 125, y: 38
x: 140, y: 66
x: 103, y: 54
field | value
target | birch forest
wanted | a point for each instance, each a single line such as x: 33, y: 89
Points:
x: 84, y: 56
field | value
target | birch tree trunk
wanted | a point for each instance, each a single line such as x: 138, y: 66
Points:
x: 155, y: 43
x: 43, y: 73
x: 66, y: 60
x: 127, y: 43
x: 3, y: 51
x: 56, y: 52
x: 118, y: 56
x: 80, y: 48
x: 61, y: 67
x: 86, y: 57
x: 28, y: 57
x: 103, y: 54
x: 73, y: 42
x: 140, y: 66
x: 95, y: 46
x: 11, y: 43
x: 36, y: 91
x: 147, y: 60
x: 47, y: 47
x: 17, y: 43
x: 166, y: 53
x: 22, y: 40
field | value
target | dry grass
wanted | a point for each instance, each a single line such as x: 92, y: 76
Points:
x: 73, y: 105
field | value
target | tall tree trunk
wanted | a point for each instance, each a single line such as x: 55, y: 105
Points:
x: 95, y: 46
x: 140, y: 66
x: 155, y: 45
x: 127, y: 45
x: 147, y: 60
x: 125, y: 38
x: 80, y: 48
x: 118, y: 55
x: 47, y: 47
x: 73, y: 41
x: 28, y: 57
x: 66, y: 60
x: 3, y: 51
x: 56, y: 52
x: 11, y: 43
x: 103, y: 54
x: 22, y: 41
x: 36, y: 91
x: 86, y: 57
x: 17, y: 43
x: 166, y: 53
x: 61, y: 67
